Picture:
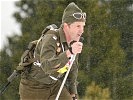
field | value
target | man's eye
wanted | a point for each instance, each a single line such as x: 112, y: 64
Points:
x: 78, y: 25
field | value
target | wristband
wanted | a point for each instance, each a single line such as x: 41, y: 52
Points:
x: 70, y: 49
x: 72, y: 42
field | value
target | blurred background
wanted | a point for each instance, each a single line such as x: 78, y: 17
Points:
x: 9, y: 26
x: 106, y: 63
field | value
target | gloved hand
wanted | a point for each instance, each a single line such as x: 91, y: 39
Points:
x: 76, y: 47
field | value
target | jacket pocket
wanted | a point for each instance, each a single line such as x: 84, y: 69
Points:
x: 39, y: 75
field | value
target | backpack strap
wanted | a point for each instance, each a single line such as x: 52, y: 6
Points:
x: 27, y: 57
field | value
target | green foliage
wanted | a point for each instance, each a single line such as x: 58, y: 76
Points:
x: 124, y: 88
x: 122, y: 18
x: 82, y: 82
x: 95, y: 92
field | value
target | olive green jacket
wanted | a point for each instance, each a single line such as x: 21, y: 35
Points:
x: 51, y: 53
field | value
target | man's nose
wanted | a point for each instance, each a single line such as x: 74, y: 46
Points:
x: 81, y: 29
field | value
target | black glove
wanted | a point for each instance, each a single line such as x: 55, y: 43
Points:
x: 72, y: 42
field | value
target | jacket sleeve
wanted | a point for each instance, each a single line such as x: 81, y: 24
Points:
x: 50, y: 62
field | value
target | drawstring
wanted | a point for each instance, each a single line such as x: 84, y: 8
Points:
x: 63, y: 49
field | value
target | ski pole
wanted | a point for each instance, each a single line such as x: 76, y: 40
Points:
x: 67, y: 73
x: 10, y: 79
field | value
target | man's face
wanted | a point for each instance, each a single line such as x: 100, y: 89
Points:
x: 75, y: 30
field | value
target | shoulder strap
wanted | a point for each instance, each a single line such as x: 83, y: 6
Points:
x: 50, y: 27
x: 27, y: 57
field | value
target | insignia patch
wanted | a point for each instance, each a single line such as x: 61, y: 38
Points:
x: 58, y: 49
x: 54, y: 37
x: 58, y: 44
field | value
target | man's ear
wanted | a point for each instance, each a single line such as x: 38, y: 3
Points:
x: 66, y: 25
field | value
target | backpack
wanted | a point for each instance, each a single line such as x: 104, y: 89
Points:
x: 27, y: 58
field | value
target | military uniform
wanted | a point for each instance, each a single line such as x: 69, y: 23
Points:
x: 43, y: 80
x: 42, y: 83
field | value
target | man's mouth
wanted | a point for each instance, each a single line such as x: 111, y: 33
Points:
x: 79, y: 35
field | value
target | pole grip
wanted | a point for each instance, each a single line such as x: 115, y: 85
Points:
x: 12, y: 76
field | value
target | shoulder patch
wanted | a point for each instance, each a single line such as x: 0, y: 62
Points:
x: 54, y: 37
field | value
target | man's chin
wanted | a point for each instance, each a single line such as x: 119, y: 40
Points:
x: 76, y: 39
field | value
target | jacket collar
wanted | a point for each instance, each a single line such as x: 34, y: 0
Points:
x: 62, y: 35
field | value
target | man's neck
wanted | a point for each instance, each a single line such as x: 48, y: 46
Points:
x: 68, y: 38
